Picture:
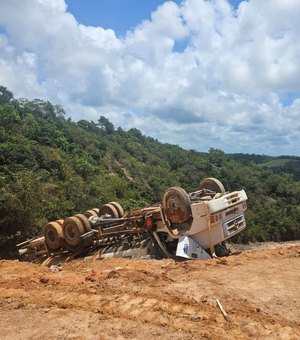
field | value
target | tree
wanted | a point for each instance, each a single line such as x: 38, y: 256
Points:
x: 106, y: 125
x: 8, y: 116
x: 216, y: 156
x: 5, y: 95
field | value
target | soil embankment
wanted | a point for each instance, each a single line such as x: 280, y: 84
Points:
x: 145, y: 299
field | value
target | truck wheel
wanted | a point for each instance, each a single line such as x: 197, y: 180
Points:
x: 108, y: 209
x: 96, y: 211
x: 176, y: 205
x: 86, y: 223
x: 212, y: 184
x: 119, y: 208
x: 72, y: 230
x: 90, y: 213
x: 53, y: 235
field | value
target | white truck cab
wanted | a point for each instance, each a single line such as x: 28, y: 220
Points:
x: 202, y: 219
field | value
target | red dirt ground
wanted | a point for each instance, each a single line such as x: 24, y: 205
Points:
x: 146, y: 299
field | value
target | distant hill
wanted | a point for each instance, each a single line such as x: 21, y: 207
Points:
x: 246, y: 158
x: 280, y: 164
x: 53, y: 167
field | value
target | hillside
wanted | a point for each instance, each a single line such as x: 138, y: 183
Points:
x: 53, y: 167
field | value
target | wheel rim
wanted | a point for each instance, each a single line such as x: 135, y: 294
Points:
x: 51, y: 236
x: 70, y: 232
x: 177, y: 205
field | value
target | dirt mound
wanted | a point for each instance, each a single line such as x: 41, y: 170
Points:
x: 142, y: 299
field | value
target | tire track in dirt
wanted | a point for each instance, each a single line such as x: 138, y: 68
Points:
x: 159, y: 312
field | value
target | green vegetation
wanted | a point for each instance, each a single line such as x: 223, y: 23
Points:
x: 52, y: 167
x: 286, y: 164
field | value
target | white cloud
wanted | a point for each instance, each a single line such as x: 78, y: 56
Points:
x: 199, y: 75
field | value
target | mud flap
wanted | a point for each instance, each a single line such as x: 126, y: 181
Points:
x: 190, y: 249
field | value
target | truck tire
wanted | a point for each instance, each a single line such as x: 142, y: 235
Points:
x: 53, y: 235
x: 86, y: 223
x: 176, y: 204
x: 72, y: 230
x: 108, y: 209
x: 96, y: 211
x: 118, y: 208
x: 212, y: 184
x: 90, y: 213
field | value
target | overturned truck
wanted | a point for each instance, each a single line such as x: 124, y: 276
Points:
x: 192, y: 226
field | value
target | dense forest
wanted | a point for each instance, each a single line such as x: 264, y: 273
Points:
x: 52, y: 167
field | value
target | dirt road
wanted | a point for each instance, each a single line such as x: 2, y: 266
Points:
x: 146, y: 299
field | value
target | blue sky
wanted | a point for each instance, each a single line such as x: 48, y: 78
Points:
x: 120, y: 15
x: 200, y: 74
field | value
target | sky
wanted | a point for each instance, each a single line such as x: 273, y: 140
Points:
x: 199, y: 74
